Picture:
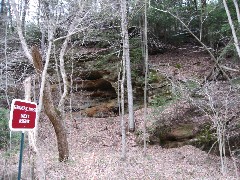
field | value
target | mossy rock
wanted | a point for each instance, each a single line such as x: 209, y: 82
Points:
x: 155, y: 77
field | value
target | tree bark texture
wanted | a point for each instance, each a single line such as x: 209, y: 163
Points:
x: 125, y: 38
x: 56, y: 119
x: 123, y: 156
x: 53, y: 114
x: 146, y: 77
x: 24, y: 13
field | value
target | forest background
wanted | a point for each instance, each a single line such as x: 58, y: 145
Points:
x: 177, y: 62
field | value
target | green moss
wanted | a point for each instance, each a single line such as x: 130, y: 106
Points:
x: 153, y: 77
x: 135, y: 42
x: 104, y: 60
x: 191, y: 85
x: 136, y: 55
x: 160, y: 100
x: 178, y: 66
x: 206, y: 137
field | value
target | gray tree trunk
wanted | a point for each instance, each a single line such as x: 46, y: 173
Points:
x: 25, y: 7
x: 123, y: 155
x: 2, y: 6
x: 125, y: 38
x: 146, y: 76
x: 237, y: 11
x: 236, y: 43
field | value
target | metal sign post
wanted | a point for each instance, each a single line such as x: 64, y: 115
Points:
x: 22, y: 118
x: 20, y: 156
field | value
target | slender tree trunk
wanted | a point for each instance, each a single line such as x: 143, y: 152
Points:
x: 141, y: 23
x: 146, y: 76
x: 2, y: 6
x: 43, y: 40
x: 6, y: 63
x: 73, y: 25
x: 20, y: 32
x: 10, y: 16
x: 236, y: 43
x: 125, y: 38
x: 201, y: 23
x: 123, y: 156
x: 237, y: 11
x: 31, y: 134
x: 25, y: 7
x: 64, y: 76
x: 203, y: 6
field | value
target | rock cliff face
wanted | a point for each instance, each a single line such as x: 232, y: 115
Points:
x: 93, y: 95
x: 93, y: 82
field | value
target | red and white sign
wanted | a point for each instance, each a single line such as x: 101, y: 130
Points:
x: 23, y: 115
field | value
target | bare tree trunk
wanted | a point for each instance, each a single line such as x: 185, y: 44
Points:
x: 45, y: 95
x: 146, y: 77
x: 73, y: 25
x: 64, y: 76
x: 2, y: 6
x: 236, y: 43
x: 53, y: 114
x: 25, y: 7
x: 125, y: 38
x: 6, y: 64
x: 203, y: 5
x: 20, y: 32
x: 123, y: 156
x: 56, y: 119
x: 10, y: 16
x: 237, y: 11
x: 31, y: 134
x: 141, y: 23
x: 43, y: 40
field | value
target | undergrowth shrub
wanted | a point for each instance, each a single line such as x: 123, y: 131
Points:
x: 5, y: 131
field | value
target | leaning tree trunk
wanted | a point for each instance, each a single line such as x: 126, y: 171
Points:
x: 56, y: 119
x: 53, y: 114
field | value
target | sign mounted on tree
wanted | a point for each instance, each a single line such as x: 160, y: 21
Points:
x: 23, y: 115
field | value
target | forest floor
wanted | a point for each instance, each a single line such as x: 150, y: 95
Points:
x: 95, y: 144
